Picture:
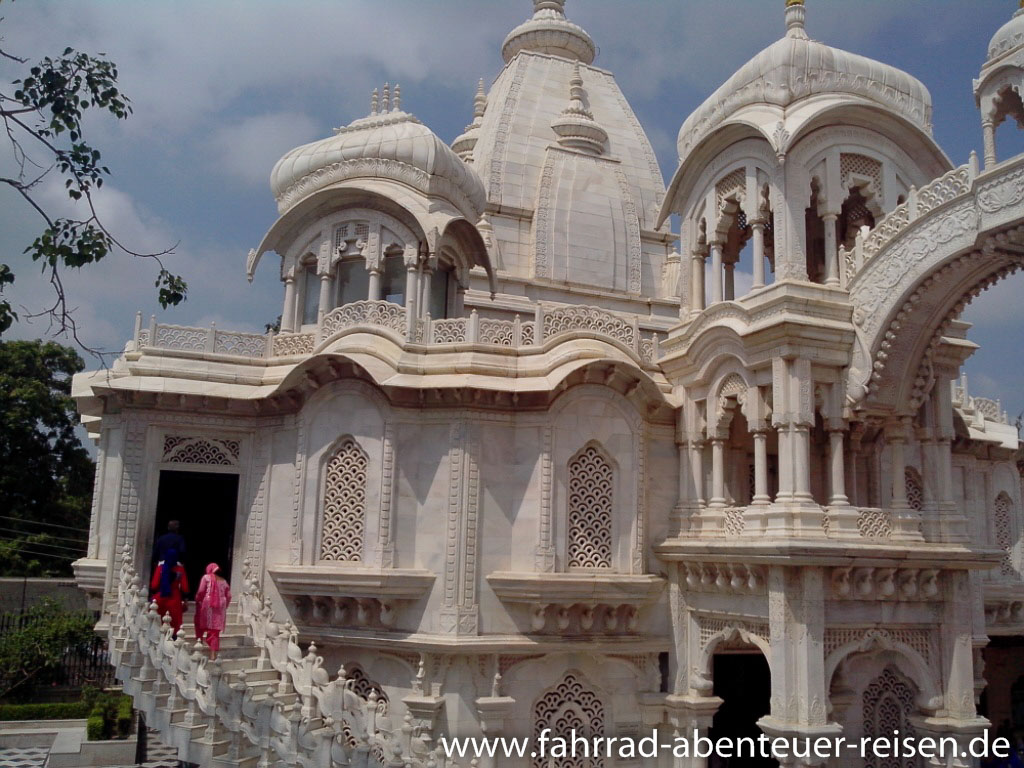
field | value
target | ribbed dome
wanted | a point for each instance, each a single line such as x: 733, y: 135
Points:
x: 386, y: 136
x: 550, y: 32
x: 797, y: 67
x: 1009, y: 37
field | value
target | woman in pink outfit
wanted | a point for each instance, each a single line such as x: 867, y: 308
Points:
x: 212, y: 599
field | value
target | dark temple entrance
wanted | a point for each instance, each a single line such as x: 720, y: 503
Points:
x: 744, y: 683
x: 205, y: 504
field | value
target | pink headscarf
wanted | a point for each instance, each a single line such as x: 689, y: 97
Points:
x: 216, y: 595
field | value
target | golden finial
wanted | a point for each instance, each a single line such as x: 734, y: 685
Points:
x: 801, y: 2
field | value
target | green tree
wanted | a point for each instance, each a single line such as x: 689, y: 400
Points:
x: 29, y: 653
x: 46, y: 474
x: 42, y: 117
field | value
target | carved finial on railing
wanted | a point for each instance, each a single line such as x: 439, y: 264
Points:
x: 385, y: 102
x: 374, y: 97
x: 396, y: 101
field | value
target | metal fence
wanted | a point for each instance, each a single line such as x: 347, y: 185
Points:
x: 80, y: 666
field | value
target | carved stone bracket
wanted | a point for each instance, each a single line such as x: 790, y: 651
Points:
x: 348, y: 597
x: 896, y: 584
x: 723, y: 577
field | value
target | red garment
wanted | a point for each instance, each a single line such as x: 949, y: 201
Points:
x: 173, y: 603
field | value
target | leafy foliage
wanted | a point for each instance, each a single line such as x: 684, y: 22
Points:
x: 43, y: 117
x: 46, y: 474
x: 39, y: 645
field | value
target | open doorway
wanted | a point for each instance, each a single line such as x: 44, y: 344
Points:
x: 205, y: 504
x: 743, y: 681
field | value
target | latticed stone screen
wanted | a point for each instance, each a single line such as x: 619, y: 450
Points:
x: 915, y: 491
x: 1004, y: 532
x: 344, y: 509
x: 570, y: 706
x: 591, y: 495
x: 888, y: 705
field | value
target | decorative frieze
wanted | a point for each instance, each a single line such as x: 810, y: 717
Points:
x: 727, y: 578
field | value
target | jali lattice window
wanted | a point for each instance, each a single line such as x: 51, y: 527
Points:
x: 591, y: 495
x: 1004, y: 533
x: 888, y: 705
x: 344, y: 510
x: 915, y: 491
x: 569, y: 706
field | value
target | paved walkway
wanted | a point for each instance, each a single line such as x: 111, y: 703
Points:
x: 160, y: 756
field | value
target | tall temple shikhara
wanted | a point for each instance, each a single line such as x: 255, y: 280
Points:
x: 521, y: 457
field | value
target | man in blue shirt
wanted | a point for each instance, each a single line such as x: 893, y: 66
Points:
x: 168, y: 541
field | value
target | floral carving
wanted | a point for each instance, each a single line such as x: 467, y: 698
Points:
x: 584, y: 318
x: 380, y: 313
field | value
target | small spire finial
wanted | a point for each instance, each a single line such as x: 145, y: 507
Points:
x: 480, y: 100
x: 373, y: 102
x: 396, y: 101
x: 558, y: 6
x: 385, y: 105
x: 796, y: 13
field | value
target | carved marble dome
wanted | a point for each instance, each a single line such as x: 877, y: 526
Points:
x: 1008, y: 38
x: 796, y: 68
x: 394, y: 138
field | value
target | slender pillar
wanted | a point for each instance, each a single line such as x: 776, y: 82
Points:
x: 460, y: 300
x: 758, y: 228
x: 730, y: 281
x: 428, y: 273
x: 717, y: 472
x: 374, y: 292
x: 325, y: 296
x: 761, y: 497
x: 837, y: 465
x: 680, y: 513
x: 697, y: 468
x: 988, y: 129
x: 785, y: 491
x: 288, y: 316
x: 801, y: 446
x: 831, y: 250
x: 716, y: 272
x: 906, y: 522
x: 697, y: 282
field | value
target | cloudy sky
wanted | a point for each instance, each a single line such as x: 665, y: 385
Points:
x: 221, y: 89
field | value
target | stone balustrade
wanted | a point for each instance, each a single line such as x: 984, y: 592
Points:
x: 548, y: 323
x: 920, y: 202
x: 265, y: 701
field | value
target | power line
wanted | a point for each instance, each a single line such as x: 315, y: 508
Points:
x: 50, y: 535
x: 48, y: 525
x: 43, y: 544
x: 52, y: 555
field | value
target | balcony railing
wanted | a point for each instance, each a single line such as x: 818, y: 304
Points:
x: 392, y: 319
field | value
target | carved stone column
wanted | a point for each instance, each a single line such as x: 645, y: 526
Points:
x: 730, y: 280
x: 288, y: 315
x: 717, y: 472
x: 796, y: 620
x: 831, y: 250
x: 906, y: 522
x: 323, y: 270
x: 761, y: 497
x: 794, y: 511
x: 952, y: 523
x: 716, y: 271
x: 757, y: 225
x: 697, y: 282
x: 684, y: 508
x: 691, y: 716
x: 988, y: 130
x: 374, y: 291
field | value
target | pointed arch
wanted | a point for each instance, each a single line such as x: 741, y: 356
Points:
x: 343, y: 509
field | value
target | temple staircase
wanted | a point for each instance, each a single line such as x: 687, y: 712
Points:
x: 263, y: 702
